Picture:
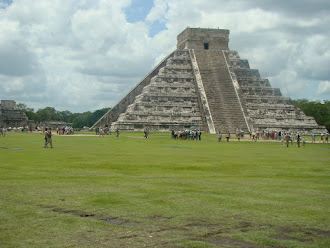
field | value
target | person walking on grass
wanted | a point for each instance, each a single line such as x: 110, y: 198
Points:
x: 49, y: 138
x: 304, y: 141
x: 219, y: 136
x: 313, y: 138
x: 287, y: 139
x: 298, y: 139
x: 2, y: 132
x: 254, y: 136
x: 146, y: 133
x: 227, y: 136
x: 45, y: 138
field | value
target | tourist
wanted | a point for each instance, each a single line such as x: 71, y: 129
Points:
x: 45, y: 138
x: 304, y: 141
x: 117, y: 132
x: 49, y: 137
x: 3, y: 132
x: 254, y: 136
x: 327, y: 137
x: 49, y: 140
x: 313, y: 138
x: 199, y: 135
x: 287, y: 139
x: 298, y: 139
x: 282, y: 138
x: 291, y: 138
x: 227, y: 136
x: 219, y: 136
x: 321, y: 138
x: 257, y: 135
x: 101, y: 131
x: 146, y: 133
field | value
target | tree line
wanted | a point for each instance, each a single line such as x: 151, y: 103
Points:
x: 78, y: 120
x: 320, y: 111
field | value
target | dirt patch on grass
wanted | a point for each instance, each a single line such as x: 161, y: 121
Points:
x: 245, y: 225
x: 321, y: 232
x: 110, y: 220
x: 160, y: 217
x: 231, y: 242
x: 117, y: 221
x: 290, y: 234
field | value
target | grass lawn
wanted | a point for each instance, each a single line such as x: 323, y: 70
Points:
x: 92, y: 191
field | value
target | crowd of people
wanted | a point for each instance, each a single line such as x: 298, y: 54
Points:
x: 65, y: 130
x: 195, y: 134
x: 188, y: 134
x: 285, y: 137
x: 102, y: 131
x: 105, y: 131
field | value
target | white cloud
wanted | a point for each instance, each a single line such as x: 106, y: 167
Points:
x: 324, y: 89
x: 158, y: 11
x: 84, y: 55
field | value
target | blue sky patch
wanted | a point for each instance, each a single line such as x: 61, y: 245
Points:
x: 156, y: 27
x: 5, y: 3
x: 138, y: 10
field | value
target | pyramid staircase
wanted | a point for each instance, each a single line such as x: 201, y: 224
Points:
x: 225, y: 107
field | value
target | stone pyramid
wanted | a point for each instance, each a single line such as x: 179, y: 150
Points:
x: 10, y: 116
x: 206, y: 85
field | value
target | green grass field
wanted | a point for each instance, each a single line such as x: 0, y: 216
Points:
x: 94, y: 191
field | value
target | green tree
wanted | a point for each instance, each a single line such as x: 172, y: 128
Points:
x: 320, y: 111
x: 78, y: 120
x: 31, y: 115
x: 21, y: 106
x: 47, y: 114
x: 64, y: 115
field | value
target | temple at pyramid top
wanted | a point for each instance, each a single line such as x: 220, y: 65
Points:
x: 201, y: 38
x: 206, y: 85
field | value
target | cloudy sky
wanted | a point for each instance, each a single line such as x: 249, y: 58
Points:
x: 83, y: 55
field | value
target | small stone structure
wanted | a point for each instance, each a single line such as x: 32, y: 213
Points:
x: 10, y: 116
x: 205, y: 84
